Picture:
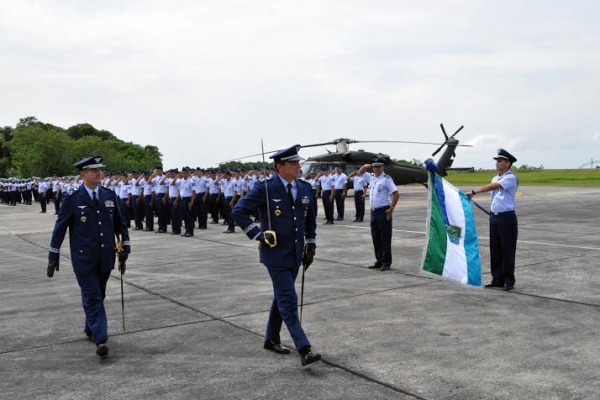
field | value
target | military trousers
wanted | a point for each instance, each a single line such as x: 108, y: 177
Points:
x: 327, y: 205
x: 227, y: 214
x: 339, y: 203
x: 201, y: 211
x: 149, y: 212
x: 359, y: 204
x: 188, y: 215
x: 503, y: 247
x: 162, y: 212
x: 214, y: 207
x: 176, y: 213
x: 285, y: 307
x: 93, y: 292
x: 137, y: 209
x: 57, y: 197
x: 381, y: 233
x: 42, y: 199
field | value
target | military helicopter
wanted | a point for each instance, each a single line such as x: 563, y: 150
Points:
x: 351, y: 160
x: 401, y: 174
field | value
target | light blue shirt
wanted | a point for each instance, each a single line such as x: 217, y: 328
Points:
x: 382, y: 188
x: 90, y: 191
x: 294, y: 186
x: 504, y: 199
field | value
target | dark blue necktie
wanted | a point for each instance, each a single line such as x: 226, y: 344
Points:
x: 95, y: 199
x: 290, y: 195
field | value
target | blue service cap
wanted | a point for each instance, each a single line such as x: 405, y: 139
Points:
x: 378, y: 161
x: 505, y: 155
x: 289, y: 154
x: 89, y: 163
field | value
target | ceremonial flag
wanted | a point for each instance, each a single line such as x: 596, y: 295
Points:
x: 452, y: 250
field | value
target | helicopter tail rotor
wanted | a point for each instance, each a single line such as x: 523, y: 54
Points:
x: 447, y: 138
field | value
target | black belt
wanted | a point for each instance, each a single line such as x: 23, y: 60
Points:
x: 502, y: 213
x: 380, y: 208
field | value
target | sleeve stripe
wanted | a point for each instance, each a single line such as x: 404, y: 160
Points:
x: 250, y: 227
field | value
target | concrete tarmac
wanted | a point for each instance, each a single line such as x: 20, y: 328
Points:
x: 196, y: 310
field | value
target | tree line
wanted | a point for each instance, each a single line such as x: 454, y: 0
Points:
x: 35, y: 148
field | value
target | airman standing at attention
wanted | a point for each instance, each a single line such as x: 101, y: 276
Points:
x: 185, y: 183
x: 200, y: 197
x: 43, y: 190
x: 173, y: 200
x: 148, y: 190
x: 340, y: 187
x: 229, y: 191
x: 384, y: 197
x: 504, y: 226
x: 137, y: 206
x: 161, y: 199
x: 326, y: 191
x: 214, y: 190
x: 360, y: 183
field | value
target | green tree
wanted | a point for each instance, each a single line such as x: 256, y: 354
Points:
x: 40, y: 150
x: 82, y: 130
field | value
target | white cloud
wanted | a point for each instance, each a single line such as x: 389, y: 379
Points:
x: 206, y: 80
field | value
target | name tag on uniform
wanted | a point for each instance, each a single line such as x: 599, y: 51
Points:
x: 109, y: 203
x: 305, y: 200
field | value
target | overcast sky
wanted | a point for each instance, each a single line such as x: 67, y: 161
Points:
x: 206, y: 80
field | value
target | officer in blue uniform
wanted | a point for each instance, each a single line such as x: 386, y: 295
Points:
x: 503, y: 221
x: 93, y: 216
x: 287, y: 239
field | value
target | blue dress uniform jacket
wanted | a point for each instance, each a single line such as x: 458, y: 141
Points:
x: 91, y: 231
x: 294, y: 224
x: 92, y: 238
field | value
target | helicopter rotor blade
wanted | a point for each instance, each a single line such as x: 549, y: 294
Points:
x: 392, y: 141
x: 458, y: 130
x: 438, y: 150
x: 444, y: 131
x: 250, y: 156
x: 319, y: 144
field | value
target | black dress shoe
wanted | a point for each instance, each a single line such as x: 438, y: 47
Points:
x: 356, y: 220
x: 494, y: 285
x: 374, y: 266
x: 89, y: 336
x: 102, y: 350
x: 309, y: 357
x: 187, y: 234
x: 508, y: 288
x: 276, y: 347
x: 385, y: 268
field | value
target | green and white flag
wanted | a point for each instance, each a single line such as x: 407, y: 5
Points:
x: 452, y: 249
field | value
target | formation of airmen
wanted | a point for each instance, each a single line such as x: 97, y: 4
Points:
x: 186, y: 198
